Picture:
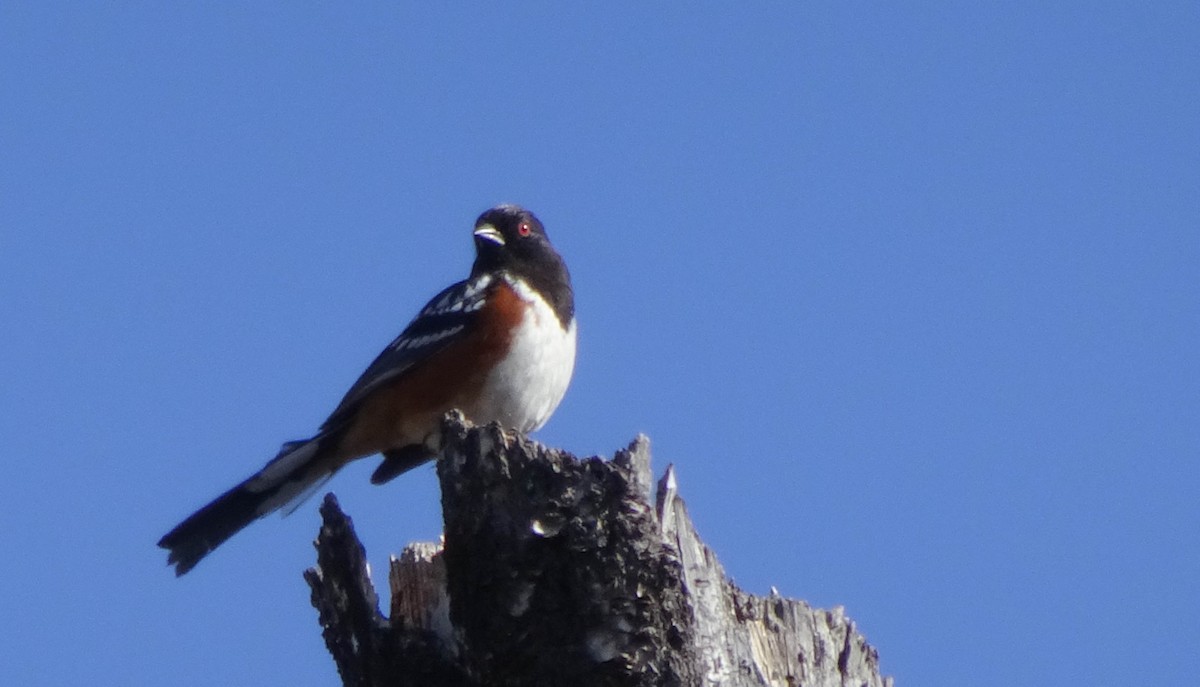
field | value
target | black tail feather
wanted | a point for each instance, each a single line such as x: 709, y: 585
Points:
x: 289, y: 477
x: 210, y: 526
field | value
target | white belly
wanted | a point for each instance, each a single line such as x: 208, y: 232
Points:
x: 524, y: 389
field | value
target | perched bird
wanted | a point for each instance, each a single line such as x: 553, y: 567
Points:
x: 499, y: 346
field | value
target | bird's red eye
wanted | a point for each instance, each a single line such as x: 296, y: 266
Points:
x: 523, y: 229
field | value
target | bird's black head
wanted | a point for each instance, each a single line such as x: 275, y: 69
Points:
x: 510, y: 238
x: 508, y: 232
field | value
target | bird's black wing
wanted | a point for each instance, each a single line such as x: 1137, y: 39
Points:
x: 445, y: 319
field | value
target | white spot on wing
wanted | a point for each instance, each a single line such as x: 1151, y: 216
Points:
x: 466, y: 297
x: 425, y: 340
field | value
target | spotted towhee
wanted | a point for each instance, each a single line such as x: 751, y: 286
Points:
x: 499, y: 346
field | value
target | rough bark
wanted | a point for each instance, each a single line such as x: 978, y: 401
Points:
x: 562, y: 571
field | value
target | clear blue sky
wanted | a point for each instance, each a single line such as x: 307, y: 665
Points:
x: 911, y: 297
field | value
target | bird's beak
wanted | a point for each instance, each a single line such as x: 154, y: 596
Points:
x: 489, y: 233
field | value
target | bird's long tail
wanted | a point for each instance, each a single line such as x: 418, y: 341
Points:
x: 293, y: 475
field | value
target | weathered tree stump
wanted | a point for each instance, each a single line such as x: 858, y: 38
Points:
x: 560, y: 571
